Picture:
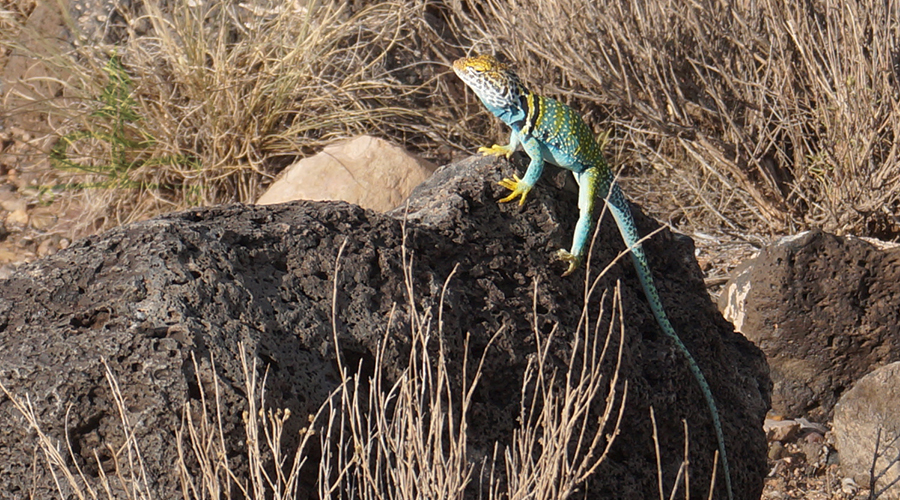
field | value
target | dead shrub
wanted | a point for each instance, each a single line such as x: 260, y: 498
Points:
x: 206, y: 101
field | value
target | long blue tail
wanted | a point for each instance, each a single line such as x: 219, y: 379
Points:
x: 618, y: 205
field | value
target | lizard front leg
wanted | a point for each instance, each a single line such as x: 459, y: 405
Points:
x: 497, y: 150
x: 521, y: 187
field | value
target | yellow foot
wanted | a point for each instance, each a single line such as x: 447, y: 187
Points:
x: 496, y: 150
x: 517, y: 187
x: 574, y: 262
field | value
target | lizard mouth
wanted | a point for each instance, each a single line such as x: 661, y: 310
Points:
x: 459, y: 67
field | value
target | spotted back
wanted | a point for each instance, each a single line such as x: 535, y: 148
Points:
x: 496, y: 84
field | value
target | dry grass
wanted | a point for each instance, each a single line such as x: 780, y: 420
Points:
x: 768, y: 116
x: 220, y: 96
x: 772, y: 115
x: 408, y: 439
x: 273, y: 472
x: 204, y: 468
x: 131, y: 476
x: 560, y: 444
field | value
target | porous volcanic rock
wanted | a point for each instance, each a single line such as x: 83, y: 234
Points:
x: 825, y: 310
x: 143, y: 297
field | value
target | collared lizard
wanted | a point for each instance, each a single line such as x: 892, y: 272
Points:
x: 551, y: 131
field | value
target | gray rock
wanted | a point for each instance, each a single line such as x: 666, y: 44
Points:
x: 865, y: 421
x: 824, y: 309
x: 99, y: 21
x: 145, y: 296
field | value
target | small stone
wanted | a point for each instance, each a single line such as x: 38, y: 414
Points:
x: 776, y: 450
x: 47, y: 247
x: 814, y: 437
x: 12, y: 203
x: 780, y: 430
x: 775, y: 495
x: 815, y: 453
x: 366, y: 171
x: 6, y: 270
x: 7, y: 256
x: 17, y: 219
x: 849, y: 486
x: 866, y: 426
x: 42, y: 221
x: 806, y: 425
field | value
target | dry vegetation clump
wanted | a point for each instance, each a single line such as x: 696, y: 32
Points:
x: 12, y: 15
x: 204, y: 102
x: 769, y: 115
x: 764, y: 116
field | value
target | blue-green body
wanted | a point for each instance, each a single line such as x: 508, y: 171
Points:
x: 551, y: 131
x: 558, y: 135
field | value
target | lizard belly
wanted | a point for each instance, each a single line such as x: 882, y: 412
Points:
x: 560, y: 158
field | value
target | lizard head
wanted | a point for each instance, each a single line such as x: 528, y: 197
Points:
x: 494, y: 83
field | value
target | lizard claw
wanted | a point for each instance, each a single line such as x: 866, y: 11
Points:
x: 517, y: 187
x: 496, y: 150
x: 574, y: 261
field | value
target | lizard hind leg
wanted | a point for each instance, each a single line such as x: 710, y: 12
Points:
x: 591, y: 190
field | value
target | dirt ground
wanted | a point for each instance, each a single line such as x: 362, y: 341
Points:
x: 31, y: 224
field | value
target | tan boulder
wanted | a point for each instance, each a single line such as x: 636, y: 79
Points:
x: 365, y: 171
